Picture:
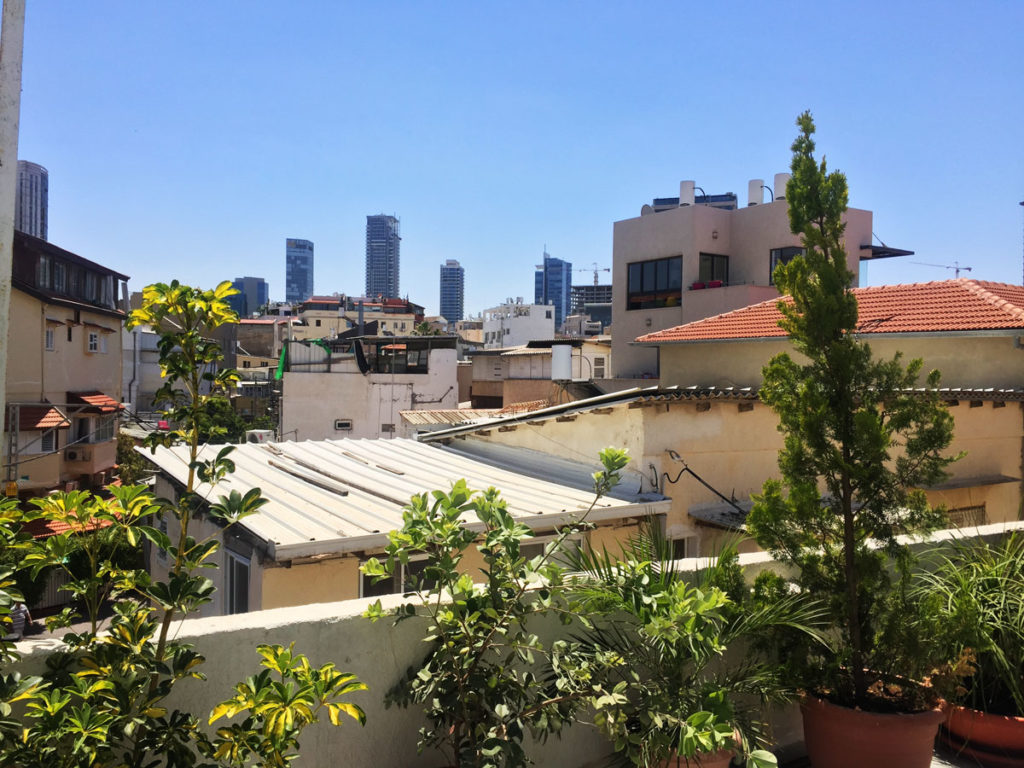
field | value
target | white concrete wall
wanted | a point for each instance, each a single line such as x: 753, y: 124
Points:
x: 313, y: 401
x: 510, y: 325
x: 379, y: 654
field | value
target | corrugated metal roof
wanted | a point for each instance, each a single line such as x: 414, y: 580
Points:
x: 448, y: 415
x: 334, y: 496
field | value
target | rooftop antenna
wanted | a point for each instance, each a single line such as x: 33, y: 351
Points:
x: 954, y: 266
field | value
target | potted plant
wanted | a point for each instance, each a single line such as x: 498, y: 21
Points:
x: 486, y: 678
x: 971, y: 597
x: 675, y: 697
x: 860, y: 435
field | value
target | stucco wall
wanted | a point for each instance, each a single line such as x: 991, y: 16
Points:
x: 326, y: 581
x: 972, y: 360
x: 746, y: 236
x: 313, y: 401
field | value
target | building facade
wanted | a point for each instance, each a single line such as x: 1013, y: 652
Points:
x: 31, y: 207
x: 514, y: 323
x: 63, y: 369
x: 588, y: 294
x: 552, y: 284
x: 453, y: 278
x: 298, y: 258
x: 681, y: 260
x: 383, y: 256
x: 253, y: 295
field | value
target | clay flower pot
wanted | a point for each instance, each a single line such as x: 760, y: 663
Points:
x: 993, y: 741
x: 840, y: 737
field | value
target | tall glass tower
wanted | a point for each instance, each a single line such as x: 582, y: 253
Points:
x: 383, y: 243
x: 30, y: 209
x: 298, y: 261
x: 452, y: 285
x: 552, y: 284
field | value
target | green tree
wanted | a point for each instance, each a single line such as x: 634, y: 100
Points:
x: 860, y: 436
x: 104, y: 700
x: 131, y: 467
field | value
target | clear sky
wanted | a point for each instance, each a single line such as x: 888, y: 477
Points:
x: 187, y: 140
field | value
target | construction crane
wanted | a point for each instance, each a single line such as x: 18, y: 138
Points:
x: 595, y: 270
x: 954, y: 266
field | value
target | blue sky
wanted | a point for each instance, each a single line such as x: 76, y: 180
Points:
x: 188, y: 140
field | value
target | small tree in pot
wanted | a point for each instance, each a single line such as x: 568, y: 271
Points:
x: 860, y: 437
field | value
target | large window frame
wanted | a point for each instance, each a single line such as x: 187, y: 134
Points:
x: 713, y: 267
x: 782, y: 255
x: 655, y: 283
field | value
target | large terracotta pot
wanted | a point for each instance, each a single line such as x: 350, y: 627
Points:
x: 720, y: 759
x: 840, y: 737
x: 994, y: 741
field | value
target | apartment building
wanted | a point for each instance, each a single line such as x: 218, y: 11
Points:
x: 514, y: 323
x: 690, y: 257
x: 63, y: 369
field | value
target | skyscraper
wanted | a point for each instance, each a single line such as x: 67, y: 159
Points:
x: 383, y: 243
x: 453, y: 279
x: 553, y: 285
x: 253, y: 293
x: 298, y: 259
x: 30, y: 210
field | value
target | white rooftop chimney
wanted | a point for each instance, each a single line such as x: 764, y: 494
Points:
x: 755, y: 192
x: 781, y: 180
x: 685, y: 193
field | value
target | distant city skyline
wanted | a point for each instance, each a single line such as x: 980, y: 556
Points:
x: 32, y: 201
x: 299, y: 270
x: 191, y: 147
x: 383, y: 256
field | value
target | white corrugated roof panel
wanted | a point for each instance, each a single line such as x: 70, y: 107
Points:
x: 332, y: 496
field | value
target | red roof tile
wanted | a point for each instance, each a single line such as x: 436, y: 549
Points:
x: 949, y: 305
x: 42, y: 416
x: 100, y: 402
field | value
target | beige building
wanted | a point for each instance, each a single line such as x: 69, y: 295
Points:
x: 691, y: 257
x: 331, y: 503
x: 63, y: 368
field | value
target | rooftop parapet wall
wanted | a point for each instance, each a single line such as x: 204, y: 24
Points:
x: 379, y: 654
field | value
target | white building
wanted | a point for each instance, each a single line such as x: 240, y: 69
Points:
x: 514, y: 323
x: 359, y: 387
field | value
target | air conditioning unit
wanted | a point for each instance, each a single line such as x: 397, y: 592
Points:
x: 77, y: 454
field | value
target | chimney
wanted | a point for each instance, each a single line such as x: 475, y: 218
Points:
x: 685, y: 193
x: 755, y: 192
x: 781, y: 180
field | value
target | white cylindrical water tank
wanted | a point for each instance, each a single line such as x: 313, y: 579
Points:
x: 755, y: 192
x: 561, y: 362
x: 781, y: 180
x: 685, y: 193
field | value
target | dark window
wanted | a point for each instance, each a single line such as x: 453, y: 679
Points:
x: 238, y: 583
x: 782, y: 256
x: 653, y: 284
x: 713, y: 266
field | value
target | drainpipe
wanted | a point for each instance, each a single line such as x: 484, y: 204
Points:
x: 12, y: 38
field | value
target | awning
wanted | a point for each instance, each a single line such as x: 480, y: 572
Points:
x: 722, y: 514
x: 41, y: 416
x: 97, y: 402
x: 971, y: 482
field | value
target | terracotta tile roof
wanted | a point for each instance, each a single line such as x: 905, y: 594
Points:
x: 41, y: 416
x: 948, y: 305
x: 44, y: 529
x: 100, y: 402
